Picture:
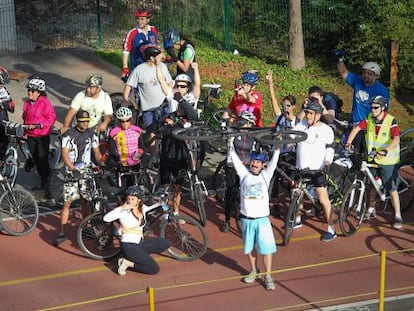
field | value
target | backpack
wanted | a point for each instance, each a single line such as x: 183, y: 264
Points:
x: 337, y: 99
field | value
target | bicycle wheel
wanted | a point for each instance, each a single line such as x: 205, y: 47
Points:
x: 352, y: 213
x: 97, y: 238
x: 188, y: 241
x: 291, y: 218
x: 10, y: 166
x: 199, y: 203
x: 55, y: 150
x: 219, y: 182
x: 198, y: 133
x: 405, y: 187
x: 215, y: 118
x: 19, y: 212
x: 280, y: 137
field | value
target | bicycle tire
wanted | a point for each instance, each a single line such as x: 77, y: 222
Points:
x: 55, y: 151
x: 11, y: 166
x: 188, y: 241
x: 198, y: 133
x: 219, y: 182
x: 405, y: 191
x: 199, y: 204
x: 350, y: 218
x: 280, y: 137
x: 291, y: 218
x: 215, y: 118
x: 19, y: 212
x: 96, y: 238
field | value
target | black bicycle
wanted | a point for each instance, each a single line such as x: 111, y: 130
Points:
x: 188, y: 241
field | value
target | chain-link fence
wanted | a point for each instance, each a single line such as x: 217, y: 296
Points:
x: 253, y: 27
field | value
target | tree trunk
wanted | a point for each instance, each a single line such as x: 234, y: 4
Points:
x: 296, y: 48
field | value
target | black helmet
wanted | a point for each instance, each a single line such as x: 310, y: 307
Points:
x: 313, y: 105
x: 150, y: 50
x: 135, y: 191
x: 380, y: 100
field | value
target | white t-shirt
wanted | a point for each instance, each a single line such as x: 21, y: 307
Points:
x: 313, y: 152
x: 97, y: 107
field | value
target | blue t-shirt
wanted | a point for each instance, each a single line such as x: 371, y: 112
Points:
x: 363, y: 95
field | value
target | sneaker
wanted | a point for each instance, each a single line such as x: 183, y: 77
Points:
x: 270, y: 285
x: 327, y: 236
x: 370, y: 213
x: 251, y: 277
x: 181, y: 221
x: 122, y: 267
x: 225, y: 227
x: 297, y: 225
x: 59, y: 239
x: 398, y: 223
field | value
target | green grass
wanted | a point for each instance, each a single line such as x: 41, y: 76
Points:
x: 224, y: 68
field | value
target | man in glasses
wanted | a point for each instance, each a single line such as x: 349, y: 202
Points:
x: 78, y: 143
x: 383, y: 136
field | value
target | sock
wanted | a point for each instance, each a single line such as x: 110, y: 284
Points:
x: 298, y: 219
x: 331, y: 229
x: 398, y: 215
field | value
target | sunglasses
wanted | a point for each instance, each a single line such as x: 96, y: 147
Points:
x: 375, y: 107
x: 180, y: 86
x: 125, y: 121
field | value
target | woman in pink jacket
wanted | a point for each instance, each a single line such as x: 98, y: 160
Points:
x: 39, y: 115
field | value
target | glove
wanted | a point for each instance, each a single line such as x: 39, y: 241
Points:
x: 170, y: 51
x: 340, y: 54
x: 124, y: 74
x: 178, y: 97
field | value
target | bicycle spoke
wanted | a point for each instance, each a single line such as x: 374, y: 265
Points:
x: 280, y: 137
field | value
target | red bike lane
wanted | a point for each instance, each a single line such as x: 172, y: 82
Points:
x: 309, y: 273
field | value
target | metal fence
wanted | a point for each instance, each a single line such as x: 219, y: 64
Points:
x: 254, y: 27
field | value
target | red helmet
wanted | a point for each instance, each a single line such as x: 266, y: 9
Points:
x: 142, y: 12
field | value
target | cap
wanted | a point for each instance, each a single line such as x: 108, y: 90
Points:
x: 82, y: 115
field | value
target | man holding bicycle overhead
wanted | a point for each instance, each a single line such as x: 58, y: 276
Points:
x: 78, y: 143
x: 95, y: 101
x: 382, y: 136
x: 257, y: 231
x: 246, y: 98
x: 143, y: 33
x: 315, y: 153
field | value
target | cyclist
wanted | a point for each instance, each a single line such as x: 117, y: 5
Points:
x: 184, y: 88
x: 244, y: 145
x: 77, y: 145
x: 135, y: 248
x: 151, y: 96
x: 95, y: 101
x: 258, y: 237
x: 328, y: 104
x: 246, y: 98
x: 39, y: 111
x: 383, y: 135
x: 317, y: 144
x: 143, y: 33
x: 173, y: 40
x: 6, y: 105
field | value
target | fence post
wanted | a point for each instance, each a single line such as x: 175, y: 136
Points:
x: 150, y: 291
x: 395, y: 47
x: 382, y: 281
x: 227, y: 25
x: 98, y: 20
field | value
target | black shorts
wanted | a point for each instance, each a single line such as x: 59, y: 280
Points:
x: 319, y: 180
x: 172, y: 172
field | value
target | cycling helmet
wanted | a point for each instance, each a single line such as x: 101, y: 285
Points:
x: 4, y: 76
x: 313, y: 105
x: 183, y: 77
x: 142, y: 12
x: 250, y: 78
x: 171, y: 37
x: 37, y: 84
x: 123, y: 113
x: 380, y: 100
x: 258, y: 156
x: 374, y: 67
x: 150, y: 50
x: 248, y: 116
x: 94, y: 80
x: 135, y: 191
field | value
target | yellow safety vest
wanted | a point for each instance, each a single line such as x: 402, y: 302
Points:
x: 382, y: 140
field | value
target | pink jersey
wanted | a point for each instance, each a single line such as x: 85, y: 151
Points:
x: 39, y: 112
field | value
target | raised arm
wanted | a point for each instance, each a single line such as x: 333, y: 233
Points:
x: 197, y: 81
x: 160, y: 75
x: 273, y: 98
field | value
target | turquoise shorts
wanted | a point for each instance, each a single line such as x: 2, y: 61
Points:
x: 258, y: 233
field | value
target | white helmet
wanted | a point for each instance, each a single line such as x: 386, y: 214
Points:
x: 249, y: 117
x: 123, y: 113
x: 183, y: 77
x: 36, y: 84
x: 374, y: 67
